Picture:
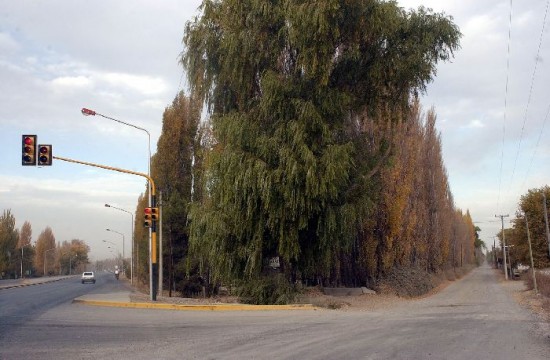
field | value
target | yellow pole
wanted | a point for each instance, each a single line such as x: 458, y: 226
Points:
x: 153, y: 239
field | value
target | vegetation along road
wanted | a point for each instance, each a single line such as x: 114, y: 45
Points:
x: 474, y: 318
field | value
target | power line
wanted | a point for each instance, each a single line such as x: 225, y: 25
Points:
x: 505, y: 102
x: 530, y: 90
x: 536, y: 147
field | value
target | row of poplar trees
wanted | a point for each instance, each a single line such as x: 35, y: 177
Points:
x: 20, y: 257
x: 302, y: 139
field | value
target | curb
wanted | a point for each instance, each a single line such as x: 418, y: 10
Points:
x: 5, y: 287
x: 182, y: 307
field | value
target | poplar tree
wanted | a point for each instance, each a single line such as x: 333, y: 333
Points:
x: 44, y: 243
x: 9, y: 236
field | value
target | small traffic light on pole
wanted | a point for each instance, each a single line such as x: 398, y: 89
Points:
x: 44, y: 155
x: 151, y: 216
x: 154, y: 214
x: 28, y: 145
x: 148, y: 217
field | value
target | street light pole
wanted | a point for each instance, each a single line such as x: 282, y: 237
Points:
x: 152, y: 234
x: 504, y: 245
x: 132, y: 230
x: 22, y: 255
x: 123, y: 256
x: 45, y: 252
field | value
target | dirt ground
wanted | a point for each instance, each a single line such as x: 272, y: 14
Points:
x: 537, y: 304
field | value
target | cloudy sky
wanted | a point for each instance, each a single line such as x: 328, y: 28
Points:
x: 120, y: 58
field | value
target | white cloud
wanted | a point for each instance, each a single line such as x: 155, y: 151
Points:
x: 475, y: 124
x: 153, y: 104
x: 146, y: 85
x: 67, y: 83
x: 7, y: 44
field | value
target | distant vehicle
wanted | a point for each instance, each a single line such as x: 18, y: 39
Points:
x: 88, y: 276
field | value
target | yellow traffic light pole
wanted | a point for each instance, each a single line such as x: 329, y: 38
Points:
x: 153, y: 237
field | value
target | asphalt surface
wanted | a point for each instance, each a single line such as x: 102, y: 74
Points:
x: 474, y: 318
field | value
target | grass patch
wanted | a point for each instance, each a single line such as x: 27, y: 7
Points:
x: 543, y: 283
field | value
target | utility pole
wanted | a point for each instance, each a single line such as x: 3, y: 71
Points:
x: 160, y: 243
x: 531, y: 255
x: 495, y: 252
x: 546, y: 220
x: 504, y: 245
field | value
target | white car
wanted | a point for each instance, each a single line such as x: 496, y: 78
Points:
x: 88, y: 276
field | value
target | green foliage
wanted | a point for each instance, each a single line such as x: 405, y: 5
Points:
x: 191, y: 286
x: 267, y: 290
x: 289, y: 85
x: 530, y: 206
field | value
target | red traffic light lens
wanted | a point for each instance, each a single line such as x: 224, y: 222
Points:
x: 147, y: 211
x: 29, y: 141
x: 44, y: 150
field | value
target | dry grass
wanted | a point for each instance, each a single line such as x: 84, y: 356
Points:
x: 543, y: 283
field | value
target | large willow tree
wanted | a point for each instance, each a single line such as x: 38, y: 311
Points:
x: 289, y: 86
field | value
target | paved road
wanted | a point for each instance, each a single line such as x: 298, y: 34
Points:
x: 474, y: 318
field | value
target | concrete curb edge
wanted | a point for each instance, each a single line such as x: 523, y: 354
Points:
x: 206, y: 307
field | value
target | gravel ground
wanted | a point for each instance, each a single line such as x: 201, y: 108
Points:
x: 367, y: 302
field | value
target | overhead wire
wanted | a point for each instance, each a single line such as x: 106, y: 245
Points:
x: 536, y: 147
x: 537, y: 59
x: 505, y: 104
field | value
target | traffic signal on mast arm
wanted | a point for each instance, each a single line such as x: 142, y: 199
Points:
x: 28, y: 150
x: 151, y: 216
x: 154, y: 214
x: 148, y: 218
x: 44, y: 155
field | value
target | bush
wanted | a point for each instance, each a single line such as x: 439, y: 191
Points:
x: 406, y: 282
x: 190, y: 287
x: 543, y: 282
x: 267, y: 290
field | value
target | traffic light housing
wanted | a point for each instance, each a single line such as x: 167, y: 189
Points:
x: 154, y: 214
x: 151, y: 216
x: 44, y: 155
x: 148, y: 218
x: 28, y: 147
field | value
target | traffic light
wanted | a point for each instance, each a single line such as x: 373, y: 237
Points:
x: 151, y: 215
x: 29, y: 150
x: 148, y: 218
x: 44, y: 155
x: 154, y: 214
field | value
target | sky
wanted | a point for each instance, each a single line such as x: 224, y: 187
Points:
x: 120, y: 58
